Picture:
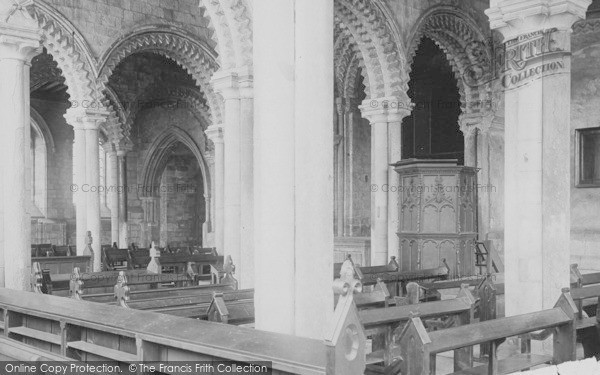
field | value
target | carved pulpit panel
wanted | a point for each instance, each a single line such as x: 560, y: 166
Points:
x: 437, y: 215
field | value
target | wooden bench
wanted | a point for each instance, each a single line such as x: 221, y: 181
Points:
x: 40, y: 250
x: 100, y: 286
x: 114, y: 259
x: 418, y: 348
x: 54, y: 328
x: 384, y: 324
x: 232, y: 308
x: 587, y: 325
x: 395, y: 279
x: 190, y: 302
x: 63, y: 264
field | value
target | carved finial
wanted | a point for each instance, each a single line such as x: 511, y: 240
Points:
x: 88, y: 238
x: 347, y: 270
x: 121, y: 290
x: 566, y: 290
x: 228, y: 266
x: 76, y: 284
x: 413, y: 315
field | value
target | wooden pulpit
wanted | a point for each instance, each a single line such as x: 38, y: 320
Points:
x: 437, y: 215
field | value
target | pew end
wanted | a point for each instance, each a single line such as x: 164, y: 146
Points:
x: 345, y: 338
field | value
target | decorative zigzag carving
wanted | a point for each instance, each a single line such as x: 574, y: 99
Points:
x: 69, y: 56
x: 467, y: 50
x: 369, y: 27
x: 221, y: 33
x: 185, y: 52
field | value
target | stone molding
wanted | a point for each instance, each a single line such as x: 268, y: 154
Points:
x: 516, y: 18
x: 195, y: 58
x: 385, y: 67
x: 231, y: 21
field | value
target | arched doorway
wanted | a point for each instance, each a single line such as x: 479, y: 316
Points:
x: 432, y: 130
x: 182, y: 203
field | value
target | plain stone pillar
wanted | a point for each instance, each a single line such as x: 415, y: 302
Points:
x: 385, y: 116
x: 113, y: 194
x: 246, y: 274
x: 293, y: 165
x: 79, y: 179
x: 19, y: 42
x: 395, y: 155
x: 225, y: 83
x: 123, y: 190
x: 470, y: 134
x: 537, y: 81
x: 215, y: 134
x: 92, y: 124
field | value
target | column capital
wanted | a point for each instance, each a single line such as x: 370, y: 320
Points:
x: 514, y: 18
x: 215, y: 133
x: 88, y: 119
x: 20, y: 34
x: 386, y: 110
x: 339, y: 106
x: 226, y: 83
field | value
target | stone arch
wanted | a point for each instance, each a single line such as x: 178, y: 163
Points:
x: 192, y: 99
x: 38, y: 122
x: 231, y: 21
x: 466, y: 48
x: 344, y: 57
x: 71, y: 53
x: 158, y: 154
x: 197, y: 58
x: 370, y: 29
x: 117, y: 126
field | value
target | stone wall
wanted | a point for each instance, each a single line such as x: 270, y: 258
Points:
x: 58, y: 227
x: 585, y: 112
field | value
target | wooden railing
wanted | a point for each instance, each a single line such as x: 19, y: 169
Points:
x: 45, y: 327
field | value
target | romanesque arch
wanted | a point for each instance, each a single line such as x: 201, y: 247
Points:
x: 197, y: 58
x: 366, y: 26
x: 231, y: 21
x: 71, y: 53
x: 468, y: 51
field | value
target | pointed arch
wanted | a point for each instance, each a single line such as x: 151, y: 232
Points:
x: 158, y: 153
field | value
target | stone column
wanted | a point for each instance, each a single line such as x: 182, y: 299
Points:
x: 395, y: 155
x: 470, y: 133
x: 225, y: 83
x: 79, y: 177
x: 215, y: 134
x: 293, y: 165
x: 385, y: 116
x: 537, y: 78
x: 92, y: 125
x: 339, y: 154
x: 19, y: 43
x: 246, y: 271
x: 348, y: 167
x: 113, y: 193
x: 124, y: 189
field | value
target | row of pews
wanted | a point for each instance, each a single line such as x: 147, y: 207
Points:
x: 406, y: 326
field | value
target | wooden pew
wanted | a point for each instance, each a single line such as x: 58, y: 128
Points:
x: 54, y: 328
x: 232, y: 308
x: 579, y: 280
x: 100, y: 286
x: 587, y: 325
x: 395, y: 279
x: 114, y: 259
x: 419, y: 348
x: 190, y: 302
x: 384, y: 324
x: 57, y: 265
x: 40, y: 250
